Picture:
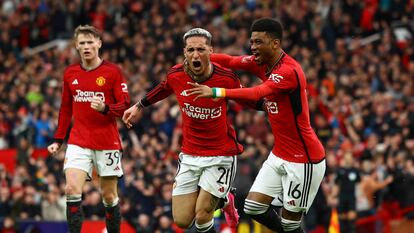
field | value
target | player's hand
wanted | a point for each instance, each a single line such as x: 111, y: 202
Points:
x: 131, y: 115
x: 98, y: 104
x: 202, y: 91
x: 54, y: 148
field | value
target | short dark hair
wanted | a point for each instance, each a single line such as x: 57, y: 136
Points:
x: 88, y: 30
x: 271, y: 26
x: 197, y: 32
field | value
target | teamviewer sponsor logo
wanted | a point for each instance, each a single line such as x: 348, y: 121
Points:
x: 86, y: 96
x: 201, y: 113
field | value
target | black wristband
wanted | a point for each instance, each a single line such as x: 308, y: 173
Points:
x: 106, y: 110
x: 58, y: 140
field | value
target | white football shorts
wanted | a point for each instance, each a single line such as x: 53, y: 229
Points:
x: 214, y: 174
x: 106, y: 162
x: 293, y: 184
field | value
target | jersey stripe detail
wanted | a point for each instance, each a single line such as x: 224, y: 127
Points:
x: 232, y: 172
x: 227, y: 73
x: 307, y: 183
x: 296, y: 113
x: 156, y: 90
x: 175, y: 70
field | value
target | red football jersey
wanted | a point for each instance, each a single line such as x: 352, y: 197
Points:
x: 206, y: 130
x: 287, y: 106
x: 92, y: 129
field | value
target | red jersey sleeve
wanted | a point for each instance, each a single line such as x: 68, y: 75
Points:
x: 160, y: 92
x: 122, y: 100
x: 65, y: 113
x: 244, y: 62
x: 252, y: 104
x: 279, y: 81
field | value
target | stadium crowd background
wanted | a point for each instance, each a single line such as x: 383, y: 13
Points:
x: 359, y: 67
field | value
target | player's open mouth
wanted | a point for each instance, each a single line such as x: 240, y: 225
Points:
x: 197, y: 65
x: 86, y: 53
x: 256, y: 56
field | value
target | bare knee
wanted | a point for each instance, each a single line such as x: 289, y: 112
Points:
x: 182, y: 222
x: 109, y: 197
x: 203, y: 216
x: 72, y: 189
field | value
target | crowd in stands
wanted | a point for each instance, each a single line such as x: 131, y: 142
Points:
x: 358, y: 56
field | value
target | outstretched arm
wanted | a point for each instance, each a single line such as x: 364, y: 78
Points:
x: 244, y: 62
x: 251, y: 93
x: 160, y: 92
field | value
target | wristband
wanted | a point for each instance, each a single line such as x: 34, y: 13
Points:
x: 139, y: 104
x: 219, y: 92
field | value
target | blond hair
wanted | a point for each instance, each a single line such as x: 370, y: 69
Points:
x: 87, y: 30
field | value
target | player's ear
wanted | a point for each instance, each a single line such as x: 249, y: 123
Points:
x: 99, y: 43
x: 275, y: 43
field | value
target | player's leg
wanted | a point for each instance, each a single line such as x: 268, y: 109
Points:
x: 218, y: 174
x: 109, y: 167
x: 266, y: 187
x: 78, y: 168
x: 204, y: 211
x: 300, y: 186
x: 183, y: 209
x: 109, y: 186
x: 185, y: 192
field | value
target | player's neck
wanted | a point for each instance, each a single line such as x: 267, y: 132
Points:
x: 274, y: 61
x: 92, y: 64
x: 199, y: 78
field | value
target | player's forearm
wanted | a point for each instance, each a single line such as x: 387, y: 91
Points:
x: 252, y: 93
x: 159, y: 93
x: 65, y: 117
x: 222, y: 59
x: 117, y: 109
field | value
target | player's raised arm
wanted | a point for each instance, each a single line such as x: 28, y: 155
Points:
x: 251, y: 93
x: 160, y: 92
x: 244, y: 62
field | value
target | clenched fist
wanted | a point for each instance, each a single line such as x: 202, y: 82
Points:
x: 98, y: 104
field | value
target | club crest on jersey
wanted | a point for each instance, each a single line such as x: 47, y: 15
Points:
x: 276, y: 78
x: 100, y: 81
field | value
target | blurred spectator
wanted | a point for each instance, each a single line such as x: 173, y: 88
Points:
x: 54, y: 205
x: 8, y: 226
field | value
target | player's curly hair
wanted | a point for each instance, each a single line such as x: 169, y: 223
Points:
x: 271, y: 26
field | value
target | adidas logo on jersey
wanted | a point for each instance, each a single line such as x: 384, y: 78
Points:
x: 117, y: 168
x: 291, y: 202
x: 75, y: 82
x: 184, y: 93
x: 221, y: 189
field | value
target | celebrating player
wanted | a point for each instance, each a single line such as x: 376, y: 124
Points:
x: 296, y: 164
x: 207, y: 163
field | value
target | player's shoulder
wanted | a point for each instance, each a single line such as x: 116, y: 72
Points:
x: 286, y: 67
x: 72, y: 68
x: 111, y: 65
x: 175, y: 69
x: 223, y: 71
